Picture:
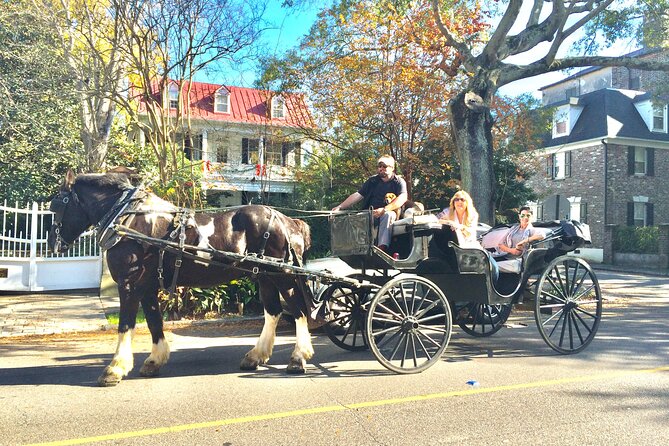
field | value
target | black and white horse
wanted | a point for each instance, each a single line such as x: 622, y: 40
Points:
x: 103, y: 200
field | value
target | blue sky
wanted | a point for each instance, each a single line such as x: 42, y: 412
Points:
x: 287, y: 27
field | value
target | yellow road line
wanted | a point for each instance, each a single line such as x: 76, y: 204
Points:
x: 337, y: 408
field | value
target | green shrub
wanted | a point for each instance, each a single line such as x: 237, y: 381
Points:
x: 636, y: 239
x: 197, y: 302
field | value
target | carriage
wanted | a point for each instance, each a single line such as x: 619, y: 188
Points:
x: 402, y: 306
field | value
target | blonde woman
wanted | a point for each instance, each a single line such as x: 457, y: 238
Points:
x: 462, y: 217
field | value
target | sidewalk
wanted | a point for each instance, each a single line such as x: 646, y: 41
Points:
x: 43, y: 314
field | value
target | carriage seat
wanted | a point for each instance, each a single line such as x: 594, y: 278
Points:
x: 491, y: 239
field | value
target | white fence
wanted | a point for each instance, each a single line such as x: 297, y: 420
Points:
x: 26, y: 264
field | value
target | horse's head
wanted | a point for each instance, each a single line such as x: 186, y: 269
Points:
x: 69, y: 219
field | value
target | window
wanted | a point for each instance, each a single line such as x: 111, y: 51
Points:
x: 561, y: 124
x: 640, y: 161
x: 278, y: 107
x: 558, y: 165
x: 292, y: 154
x: 273, y: 154
x: 222, y: 101
x: 173, y: 96
x: 635, y: 82
x: 221, y: 153
x: 250, y: 151
x: 640, y: 212
x: 659, y: 118
x: 193, y: 147
x: 571, y: 92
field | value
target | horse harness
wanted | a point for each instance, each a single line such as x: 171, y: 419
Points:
x: 127, y: 206
x: 105, y: 238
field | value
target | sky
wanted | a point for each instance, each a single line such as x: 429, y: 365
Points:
x: 288, y: 27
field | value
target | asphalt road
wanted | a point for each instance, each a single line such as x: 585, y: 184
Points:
x: 613, y: 393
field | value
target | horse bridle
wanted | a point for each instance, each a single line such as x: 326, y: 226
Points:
x: 58, y: 206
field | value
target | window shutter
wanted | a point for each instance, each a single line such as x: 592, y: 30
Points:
x: 630, y: 160
x: 630, y: 213
x: 245, y: 150
x: 650, y: 162
x: 567, y: 164
x: 285, y: 149
x: 549, y: 167
x: 649, y: 214
x: 584, y: 212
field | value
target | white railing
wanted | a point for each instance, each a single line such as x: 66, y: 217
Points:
x: 26, y: 264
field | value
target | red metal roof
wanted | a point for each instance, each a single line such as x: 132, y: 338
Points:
x: 247, y: 105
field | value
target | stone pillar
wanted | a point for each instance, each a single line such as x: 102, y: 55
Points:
x: 663, y: 245
x: 608, y: 243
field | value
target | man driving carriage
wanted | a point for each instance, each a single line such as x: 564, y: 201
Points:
x: 385, y: 193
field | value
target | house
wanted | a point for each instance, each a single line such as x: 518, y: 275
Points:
x: 607, y: 156
x: 249, y: 141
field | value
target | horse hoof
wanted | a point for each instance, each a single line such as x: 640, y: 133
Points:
x: 295, y: 367
x: 149, y: 370
x: 248, y: 364
x: 109, y: 379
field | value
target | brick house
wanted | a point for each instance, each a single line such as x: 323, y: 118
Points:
x: 249, y: 140
x: 607, y: 157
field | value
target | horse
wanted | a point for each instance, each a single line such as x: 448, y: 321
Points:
x: 141, y: 268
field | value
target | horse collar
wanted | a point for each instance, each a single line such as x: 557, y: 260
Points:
x: 107, y: 237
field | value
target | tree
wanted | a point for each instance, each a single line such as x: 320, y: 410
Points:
x: 483, y: 66
x: 87, y: 35
x: 371, y: 85
x: 164, y: 45
x: 39, y: 137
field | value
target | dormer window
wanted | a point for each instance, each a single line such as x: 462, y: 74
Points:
x: 278, y: 107
x: 561, y: 123
x: 222, y: 101
x: 173, y: 96
x: 659, y: 118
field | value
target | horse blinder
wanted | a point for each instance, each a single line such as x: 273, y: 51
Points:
x: 58, y: 206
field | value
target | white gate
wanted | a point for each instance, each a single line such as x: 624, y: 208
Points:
x: 26, y: 264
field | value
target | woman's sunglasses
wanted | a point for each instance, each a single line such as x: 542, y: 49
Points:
x: 459, y: 199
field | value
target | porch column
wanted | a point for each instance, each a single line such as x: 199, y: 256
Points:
x: 608, y: 243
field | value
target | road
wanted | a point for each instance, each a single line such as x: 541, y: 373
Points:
x: 613, y: 393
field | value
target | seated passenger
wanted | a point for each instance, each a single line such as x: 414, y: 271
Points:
x: 462, y: 217
x: 384, y: 193
x: 519, y: 236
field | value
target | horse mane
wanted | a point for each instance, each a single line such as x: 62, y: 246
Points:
x: 119, y: 181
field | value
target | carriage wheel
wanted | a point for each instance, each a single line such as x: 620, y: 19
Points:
x: 482, y: 320
x: 408, y: 324
x: 568, y: 305
x: 346, y: 306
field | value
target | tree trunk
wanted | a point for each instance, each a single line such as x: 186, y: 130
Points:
x: 471, y: 125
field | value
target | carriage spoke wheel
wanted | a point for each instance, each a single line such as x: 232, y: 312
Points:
x: 568, y: 305
x: 346, y: 306
x: 482, y: 320
x: 408, y: 324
